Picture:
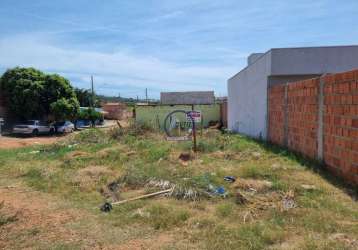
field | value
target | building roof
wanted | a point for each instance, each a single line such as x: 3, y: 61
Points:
x: 188, y: 98
x: 308, y: 60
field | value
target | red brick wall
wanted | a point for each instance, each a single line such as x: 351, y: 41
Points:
x: 341, y: 124
x: 303, y: 117
x: 340, y: 120
x: 276, y: 114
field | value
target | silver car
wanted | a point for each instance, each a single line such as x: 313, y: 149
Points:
x: 33, y: 127
x: 64, y: 127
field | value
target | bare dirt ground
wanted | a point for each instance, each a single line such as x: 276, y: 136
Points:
x: 9, y: 142
x: 35, y: 215
x: 49, y: 222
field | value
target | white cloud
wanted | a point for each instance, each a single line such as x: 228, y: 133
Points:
x: 116, y: 69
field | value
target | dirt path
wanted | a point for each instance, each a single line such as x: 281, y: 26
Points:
x: 7, y: 142
x: 42, y: 222
x: 37, y: 218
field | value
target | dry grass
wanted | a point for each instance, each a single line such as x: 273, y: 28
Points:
x: 291, y: 204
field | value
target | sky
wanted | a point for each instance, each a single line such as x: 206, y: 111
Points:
x: 162, y: 45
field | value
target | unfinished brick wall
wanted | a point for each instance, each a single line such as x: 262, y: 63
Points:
x: 294, y: 120
x: 276, y: 111
x: 341, y: 124
x: 302, y: 112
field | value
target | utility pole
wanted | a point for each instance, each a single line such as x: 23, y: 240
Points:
x: 92, y: 92
x: 146, y: 94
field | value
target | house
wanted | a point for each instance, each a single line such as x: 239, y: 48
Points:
x: 248, y: 89
x: 114, y: 110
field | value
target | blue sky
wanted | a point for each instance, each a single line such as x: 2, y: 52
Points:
x: 163, y: 45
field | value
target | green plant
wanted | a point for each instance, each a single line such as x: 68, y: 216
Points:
x: 225, y: 209
x: 90, y: 114
x: 163, y: 217
x: 30, y: 93
x: 65, y: 109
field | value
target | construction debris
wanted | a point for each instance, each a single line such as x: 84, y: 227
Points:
x: 162, y: 184
x: 107, y: 207
x: 184, y: 193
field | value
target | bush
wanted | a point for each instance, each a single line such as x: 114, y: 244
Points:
x: 90, y: 114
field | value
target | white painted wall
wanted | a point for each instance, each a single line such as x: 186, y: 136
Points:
x: 247, y: 98
x: 247, y: 90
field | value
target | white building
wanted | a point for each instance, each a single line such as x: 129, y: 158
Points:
x: 247, y: 90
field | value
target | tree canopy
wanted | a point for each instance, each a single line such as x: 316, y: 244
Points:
x: 31, y: 94
x: 85, y: 97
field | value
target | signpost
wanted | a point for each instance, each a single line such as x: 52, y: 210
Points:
x: 179, y: 125
x: 196, y: 115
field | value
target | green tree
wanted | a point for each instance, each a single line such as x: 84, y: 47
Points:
x: 91, y: 115
x: 55, y: 88
x: 30, y: 93
x: 23, y: 88
x: 84, y: 97
x: 65, y: 109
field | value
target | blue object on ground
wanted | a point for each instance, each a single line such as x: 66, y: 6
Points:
x: 220, y: 190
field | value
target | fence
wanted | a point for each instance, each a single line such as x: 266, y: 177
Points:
x: 154, y: 115
x: 319, y: 118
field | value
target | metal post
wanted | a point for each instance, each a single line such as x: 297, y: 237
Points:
x: 92, y: 87
x: 194, y: 132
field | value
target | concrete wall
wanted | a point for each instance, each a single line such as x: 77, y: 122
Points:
x: 247, y: 98
x: 247, y: 90
x: 151, y: 114
x: 314, y: 60
x: 253, y: 57
x: 274, y: 80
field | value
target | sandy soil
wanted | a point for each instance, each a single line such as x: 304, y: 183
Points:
x: 7, y: 142
x: 41, y: 219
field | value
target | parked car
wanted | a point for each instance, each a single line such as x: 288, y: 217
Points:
x: 64, y: 127
x: 34, y: 127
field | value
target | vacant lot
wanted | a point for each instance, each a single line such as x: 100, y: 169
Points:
x: 10, y: 142
x: 52, y: 195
